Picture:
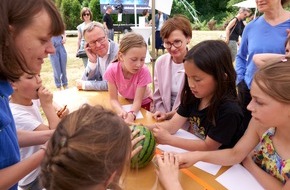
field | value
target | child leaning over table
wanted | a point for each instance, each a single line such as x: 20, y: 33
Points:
x: 129, y: 77
x: 208, y: 101
x: 267, y: 133
x: 90, y: 149
x: 25, y: 101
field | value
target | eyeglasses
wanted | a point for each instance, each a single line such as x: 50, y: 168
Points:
x: 176, y: 44
x: 86, y: 14
x: 99, y: 40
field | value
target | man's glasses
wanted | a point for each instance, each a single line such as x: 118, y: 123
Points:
x: 99, y: 41
x: 86, y: 14
x: 176, y: 44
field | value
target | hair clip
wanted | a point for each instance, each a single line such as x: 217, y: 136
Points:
x: 63, y: 141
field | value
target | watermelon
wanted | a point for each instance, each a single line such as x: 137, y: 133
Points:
x: 148, y: 144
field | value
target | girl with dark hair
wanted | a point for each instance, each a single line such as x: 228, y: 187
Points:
x: 208, y: 101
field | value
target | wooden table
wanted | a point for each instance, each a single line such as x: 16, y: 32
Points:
x: 142, y: 179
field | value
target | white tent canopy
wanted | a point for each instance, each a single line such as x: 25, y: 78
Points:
x: 246, y: 4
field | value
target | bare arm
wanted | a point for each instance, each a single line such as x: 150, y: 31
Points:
x: 31, y: 138
x: 172, y: 125
x: 140, y: 91
x: 228, y: 29
x: 17, y: 171
x: 45, y: 97
x: 164, y: 137
x: 79, y: 39
x: 267, y: 58
x: 116, y: 106
x: 226, y: 157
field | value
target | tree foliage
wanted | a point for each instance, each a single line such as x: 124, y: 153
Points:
x: 70, y: 10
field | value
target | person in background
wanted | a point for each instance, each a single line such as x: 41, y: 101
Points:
x: 160, y: 18
x: 86, y: 17
x: 58, y: 61
x: 148, y: 22
x: 90, y: 149
x: 266, y: 58
x: 208, y: 101
x: 25, y: 102
x: 146, y: 14
x: 25, y: 36
x: 169, y: 71
x: 265, y: 34
x: 129, y: 77
x: 234, y: 30
x: 108, y: 22
x: 267, y: 134
x: 101, y: 52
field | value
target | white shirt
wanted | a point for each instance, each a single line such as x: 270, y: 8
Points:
x: 27, y: 118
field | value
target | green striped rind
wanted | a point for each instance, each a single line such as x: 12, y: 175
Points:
x: 148, y: 144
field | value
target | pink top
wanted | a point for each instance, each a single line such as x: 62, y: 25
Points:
x: 128, y: 87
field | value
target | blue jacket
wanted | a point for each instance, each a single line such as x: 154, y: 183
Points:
x: 9, y: 149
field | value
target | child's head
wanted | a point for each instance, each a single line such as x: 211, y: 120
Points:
x: 26, y: 86
x: 274, y: 80
x: 90, y: 148
x: 210, y: 75
x: 132, y: 52
x: 270, y: 92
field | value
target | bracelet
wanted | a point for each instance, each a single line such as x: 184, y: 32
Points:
x: 133, y: 113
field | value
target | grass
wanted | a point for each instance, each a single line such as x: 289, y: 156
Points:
x: 75, y: 66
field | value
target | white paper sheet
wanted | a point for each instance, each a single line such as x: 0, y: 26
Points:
x: 207, y: 167
x: 212, y: 169
x: 128, y: 108
x: 238, y: 178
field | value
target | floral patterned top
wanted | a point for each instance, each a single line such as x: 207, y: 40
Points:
x: 269, y: 160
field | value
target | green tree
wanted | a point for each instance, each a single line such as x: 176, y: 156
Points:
x: 70, y: 10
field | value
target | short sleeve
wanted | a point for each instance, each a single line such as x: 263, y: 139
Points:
x: 144, y: 77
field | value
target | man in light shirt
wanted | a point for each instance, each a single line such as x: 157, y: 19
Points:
x: 101, y: 52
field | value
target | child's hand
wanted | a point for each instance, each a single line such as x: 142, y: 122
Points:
x: 134, y: 141
x: 187, y: 159
x: 168, y: 164
x: 159, y: 116
x: 123, y: 114
x: 162, y: 135
x: 45, y: 96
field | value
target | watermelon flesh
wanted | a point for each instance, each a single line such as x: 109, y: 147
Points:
x: 148, y: 144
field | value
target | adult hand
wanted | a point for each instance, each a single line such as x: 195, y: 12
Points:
x: 91, y: 55
x: 159, y: 116
x: 79, y: 84
x: 167, y: 171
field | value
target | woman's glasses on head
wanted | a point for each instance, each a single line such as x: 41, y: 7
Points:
x: 86, y: 14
